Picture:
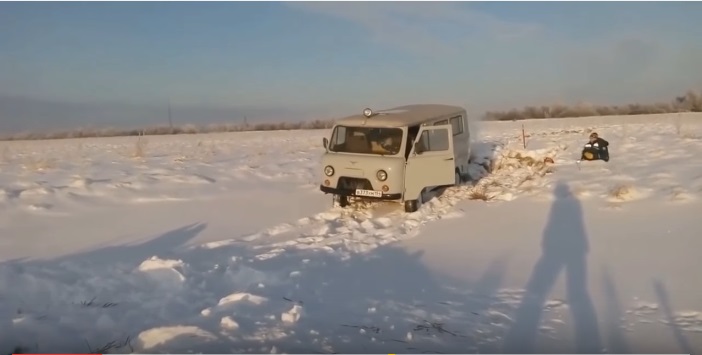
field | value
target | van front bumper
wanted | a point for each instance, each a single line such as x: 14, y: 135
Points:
x: 352, y: 193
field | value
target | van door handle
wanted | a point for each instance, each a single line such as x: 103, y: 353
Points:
x: 448, y: 159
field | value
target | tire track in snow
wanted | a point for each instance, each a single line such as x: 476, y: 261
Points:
x: 362, y: 227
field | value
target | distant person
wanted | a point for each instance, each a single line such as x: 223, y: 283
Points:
x: 595, y: 149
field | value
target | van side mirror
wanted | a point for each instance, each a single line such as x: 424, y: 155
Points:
x: 325, y: 142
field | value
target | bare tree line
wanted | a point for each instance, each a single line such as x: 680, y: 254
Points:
x: 690, y: 102
x: 168, y: 130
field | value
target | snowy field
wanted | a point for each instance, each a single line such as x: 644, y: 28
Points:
x: 224, y: 243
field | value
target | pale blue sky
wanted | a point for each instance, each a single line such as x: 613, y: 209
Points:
x: 118, y: 63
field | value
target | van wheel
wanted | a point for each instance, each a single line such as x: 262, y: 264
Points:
x: 343, y: 201
x: 411, y: 206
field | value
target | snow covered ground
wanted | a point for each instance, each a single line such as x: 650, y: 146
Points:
x: 223, y: 243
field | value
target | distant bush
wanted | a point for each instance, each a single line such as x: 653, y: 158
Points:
x: 690, y: 102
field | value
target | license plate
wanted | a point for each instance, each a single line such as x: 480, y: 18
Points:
x: 369, y: 193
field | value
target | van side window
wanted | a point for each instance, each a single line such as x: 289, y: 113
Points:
x: 457, y: 125
x: 442, y: 122
x: 435, y: 140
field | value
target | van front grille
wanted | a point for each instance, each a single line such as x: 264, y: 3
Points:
x: 354, y: 183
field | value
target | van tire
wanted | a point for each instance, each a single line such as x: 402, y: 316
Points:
x: 411, y: 206
x: 343, y: 201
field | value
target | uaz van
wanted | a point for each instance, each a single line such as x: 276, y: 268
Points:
x: 396, y: 154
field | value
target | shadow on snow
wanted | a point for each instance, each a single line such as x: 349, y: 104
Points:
x: 380, y: 301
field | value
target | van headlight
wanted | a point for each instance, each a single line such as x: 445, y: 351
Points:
x: 328, y: 170
x: 381, y: 175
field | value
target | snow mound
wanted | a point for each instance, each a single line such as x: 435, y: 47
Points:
x: 293, y: 315
x: 166, y: 272
x: 229, y: 302
x: 627, y: 192
x: 229, y: 323
x: 154, y: 337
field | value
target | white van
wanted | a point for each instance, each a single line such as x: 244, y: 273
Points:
x: 396, y: 154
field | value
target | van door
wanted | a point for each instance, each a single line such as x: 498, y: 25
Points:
x: 433, y: 164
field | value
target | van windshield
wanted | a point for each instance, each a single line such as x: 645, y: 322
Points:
x: 366, y: 140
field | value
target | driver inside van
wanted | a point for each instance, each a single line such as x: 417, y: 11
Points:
x: 388, y: 143
x: 385, y: 144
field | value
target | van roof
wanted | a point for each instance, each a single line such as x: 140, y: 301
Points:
x: 408, y: 115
